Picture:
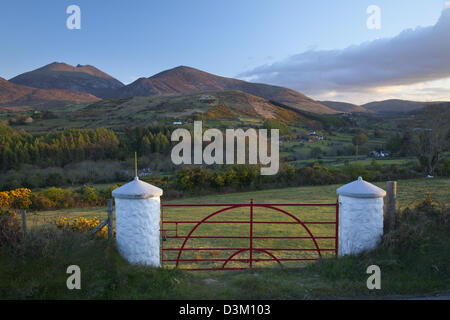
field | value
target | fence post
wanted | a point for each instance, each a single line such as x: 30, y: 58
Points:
x: 391, y: 190
x: 138, y: 214
x: 24, y: 220
x: 251, y: 233
x: 360, y: 216
x: 110, y: 218
x: 336, y: 241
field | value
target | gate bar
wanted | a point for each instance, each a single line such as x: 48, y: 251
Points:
x: 250, y: 237
x: 251, y: 233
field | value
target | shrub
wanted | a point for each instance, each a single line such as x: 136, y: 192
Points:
x: 91, y: 195
x: 41, y: 202
x: 443, y: 168
x: 107, y: 192
x: 418, y: 226
x: 83, y: 225
x: 16, y: 199
x: 62, y: 198
x: 10, y: 229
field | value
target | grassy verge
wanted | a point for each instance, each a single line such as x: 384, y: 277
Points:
x: 414, y: 259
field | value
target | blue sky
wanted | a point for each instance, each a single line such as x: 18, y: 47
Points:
x: 132, y: 39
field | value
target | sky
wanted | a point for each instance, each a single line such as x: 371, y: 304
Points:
x: 323, y: 49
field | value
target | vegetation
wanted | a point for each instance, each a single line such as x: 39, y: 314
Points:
x: 194, y: 180
x: 82, y: 225
x: 359, y: 140
x: 414, y: 259
x: 409, y: 194
x: 76, y: 145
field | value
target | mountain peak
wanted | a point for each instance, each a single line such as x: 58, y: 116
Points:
x: 64, y: 67
x: 60, y: 75
x: 180, y: 71
x: 188, y: 80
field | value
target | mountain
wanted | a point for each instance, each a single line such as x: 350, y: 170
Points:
x: 63, y: 76
x: 12, y: 94
x: 227, y: 107
x: 344, y: 107
x: 186, y: 80
x: 436, y: 108
x: 395, y: 106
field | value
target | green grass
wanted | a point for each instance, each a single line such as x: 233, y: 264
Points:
x: 414, y: 260
x: 380, y: 162
x: 410, y: 192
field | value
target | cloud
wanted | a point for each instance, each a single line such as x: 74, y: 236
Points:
x: 414, y: 56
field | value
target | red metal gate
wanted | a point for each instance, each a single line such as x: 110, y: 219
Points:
x: 178, y: 254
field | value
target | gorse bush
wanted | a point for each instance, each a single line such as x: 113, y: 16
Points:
x: 16, y: 199
x: 82, y: 225
x: 54, y: 198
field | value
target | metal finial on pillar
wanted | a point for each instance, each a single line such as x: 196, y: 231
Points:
x: 135, y: 164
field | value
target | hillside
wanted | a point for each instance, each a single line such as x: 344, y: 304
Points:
x: 344, y: 107
x: 186, y: 80
x: 17, y: 95
x: 442, y: 108
x: 63, y: 76
x: 217, y: 109
x: 395, y: 106
x: 223, y: 105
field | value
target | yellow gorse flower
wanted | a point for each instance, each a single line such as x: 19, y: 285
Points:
x: 17, y: 199
x: 83, y: 225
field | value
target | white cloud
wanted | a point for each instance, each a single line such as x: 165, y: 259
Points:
x: 414, y: 56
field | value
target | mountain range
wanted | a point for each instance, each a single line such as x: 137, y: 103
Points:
x: 59, y: 84
x: 18, y: 95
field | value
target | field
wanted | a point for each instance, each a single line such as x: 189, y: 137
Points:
x: 410, y: 192
x: 39, y: 270
x: 266, y: 235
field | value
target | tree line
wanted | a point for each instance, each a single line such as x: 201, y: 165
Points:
x: 75, y: 145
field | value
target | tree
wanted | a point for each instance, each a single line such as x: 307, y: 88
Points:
x: 359, y: 140
x: 316, y: 152
x: 378, y: 133
x: 430, y: 148
x: 432, y: 141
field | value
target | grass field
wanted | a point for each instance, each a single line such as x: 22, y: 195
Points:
x: 266, y: 235
x: 421, y: 266
x: 410, y: 192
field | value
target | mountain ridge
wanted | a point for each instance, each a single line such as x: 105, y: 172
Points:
x: 395, y: 106
x: 12, y: 94
x: 345, y: 107
x: 185, y: 80
x: 81, y: 78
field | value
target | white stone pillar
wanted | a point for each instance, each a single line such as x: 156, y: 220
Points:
x: 360, y: 216
x: 137, y: 222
